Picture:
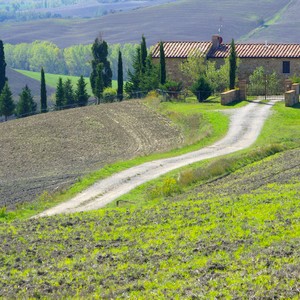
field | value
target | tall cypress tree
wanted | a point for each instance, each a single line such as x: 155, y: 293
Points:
x: 43, y: 92
x: 26, y: 105
x: 100, y: 53
x: 81, y: 94
x: 232, y: 65
x: 143, y: 54
x: 99, y: 84
x: 120, y: 77
x: 162, y: 64
x: 7, y: 105
x: 3, y: 78
x: 59, y: 94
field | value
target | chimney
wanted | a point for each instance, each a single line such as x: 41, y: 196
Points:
x: 216, y: 41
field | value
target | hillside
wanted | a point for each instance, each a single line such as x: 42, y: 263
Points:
x: 51, y: 151
x: 17, y: 81
x: 181, y: 20
x: 238, y: 244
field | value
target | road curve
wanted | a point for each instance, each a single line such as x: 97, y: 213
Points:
x: 245, y: 126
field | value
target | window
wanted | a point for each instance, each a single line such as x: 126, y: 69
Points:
x: 286, y: 67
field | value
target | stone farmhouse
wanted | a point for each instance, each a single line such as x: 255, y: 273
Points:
x: 284, y: 59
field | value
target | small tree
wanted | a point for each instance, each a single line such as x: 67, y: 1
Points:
x: 69, y: 97
x: 26, y: 105
x: 232, y: 66
x: 7, y: 105
x: 81, y: 94
x: 3, y: 78
x: 202, y: 88
x: 120, y: 77
x: 43, y: 92
x: 162, y: 64
x: 59, y: 94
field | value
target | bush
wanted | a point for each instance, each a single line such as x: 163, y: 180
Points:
x: 202, y: 88
x: 109, y: 95
x: 172, y: 88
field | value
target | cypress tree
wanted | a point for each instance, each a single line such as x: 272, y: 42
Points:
x: 120, y: 77
x: 143, y: 54
x: 26, y: 105
x: 99, y: 84
x: 81, y: 94
x: 69, y: 97
x: 232, y: 66
x: 162, y: 64
x: 7, y: 105
x: 3, y: 78
x: 59, y: 94
x: 43, y: 92
x: 100, y: 53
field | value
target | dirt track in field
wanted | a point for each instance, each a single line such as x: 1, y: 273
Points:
x: 246, y: 124
x: 51, y: 151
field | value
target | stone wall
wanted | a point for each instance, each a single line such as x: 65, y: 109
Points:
x: 230, y: 96
x: 292, y: 96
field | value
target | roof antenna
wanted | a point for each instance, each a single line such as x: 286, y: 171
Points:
x: 220, y: 27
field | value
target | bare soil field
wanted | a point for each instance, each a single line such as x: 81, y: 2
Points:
x: 186, y: 20
x: 281, y: 169
x: 51, y: 151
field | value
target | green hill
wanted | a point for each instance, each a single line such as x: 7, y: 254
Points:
x: 181, y: 20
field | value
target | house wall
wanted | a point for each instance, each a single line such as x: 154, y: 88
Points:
x: 248, y: 65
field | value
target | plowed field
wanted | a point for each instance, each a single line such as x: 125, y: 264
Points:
x: 51, y: 151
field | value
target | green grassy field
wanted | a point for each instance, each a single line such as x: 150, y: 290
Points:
x: 226, y: 237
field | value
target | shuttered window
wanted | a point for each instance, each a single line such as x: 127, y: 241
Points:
x: 286, y: 67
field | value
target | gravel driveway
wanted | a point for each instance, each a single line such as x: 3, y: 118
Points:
x: 245, y: 126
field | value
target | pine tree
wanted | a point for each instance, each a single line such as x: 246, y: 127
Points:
x: 26, y: 105
x: 7, y: 105
x: 162, y: 64
x: 100, y: 53
x: 69, y: 97
x: 3, y: 78
x: 233, y: 66
x: 120, y: 77
x: 81, y: 94
x: 59, y: 94
x: 43, y: 92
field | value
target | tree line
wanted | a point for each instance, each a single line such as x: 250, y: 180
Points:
x: 74, y: 60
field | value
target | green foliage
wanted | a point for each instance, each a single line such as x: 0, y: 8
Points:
x: 26, y: 105
x: 218, y: 77
x: 43, y: 92
x: 262, y: 82
x: 162, y: 64
x: 120, y: 77
x: 59, y: 94
x: 7, y: 105
x: 3, y: 78
x: 100, y: 68
x: 172, y: 88
x: 81, y: 95
x: 232, y: 66
x: 109, y: 95
x: 202, y: 88
x: 69, y: 96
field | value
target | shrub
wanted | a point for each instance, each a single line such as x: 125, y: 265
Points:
x: 172, y: 88
x: 109, y: 95
x: 202, y: 88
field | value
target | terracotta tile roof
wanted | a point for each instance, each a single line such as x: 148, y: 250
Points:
x: 184, y: 49
x: 181, y: 49
x: 258, y: 51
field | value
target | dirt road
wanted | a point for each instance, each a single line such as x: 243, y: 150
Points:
x: 245, y: 126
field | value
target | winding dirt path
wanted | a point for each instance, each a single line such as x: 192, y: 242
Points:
x: 245, y: 126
